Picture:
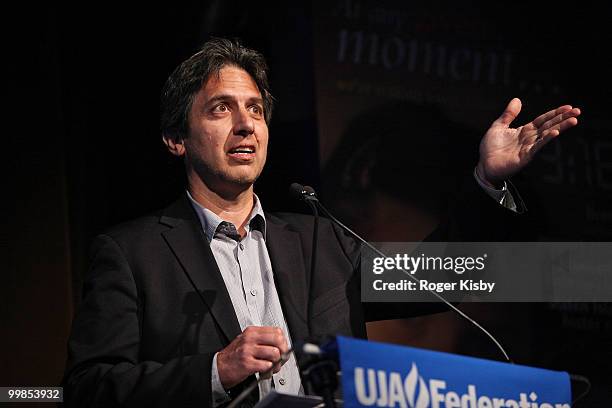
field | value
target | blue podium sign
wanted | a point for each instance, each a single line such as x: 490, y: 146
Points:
x: 384, y: 375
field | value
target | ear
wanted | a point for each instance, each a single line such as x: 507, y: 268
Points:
x: 175, y: 145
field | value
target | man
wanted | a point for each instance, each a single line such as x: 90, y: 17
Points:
x: 188, y: 305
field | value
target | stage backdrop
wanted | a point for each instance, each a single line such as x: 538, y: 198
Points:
x: 404, y: 92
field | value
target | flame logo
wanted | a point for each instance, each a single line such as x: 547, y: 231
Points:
x: 410, y: 386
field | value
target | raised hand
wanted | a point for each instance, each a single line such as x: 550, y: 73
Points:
x: 504, y: 151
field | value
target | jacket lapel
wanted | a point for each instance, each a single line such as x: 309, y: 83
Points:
x: 290, y: 276
x: 190, y: 247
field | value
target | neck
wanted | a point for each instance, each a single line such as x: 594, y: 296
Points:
x: 234, y: 208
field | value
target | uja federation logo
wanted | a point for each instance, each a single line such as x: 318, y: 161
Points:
x: 381, y: 388
x: 389, y: 390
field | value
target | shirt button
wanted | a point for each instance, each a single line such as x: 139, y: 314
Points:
x: 241, y: 246
x: 253, y: 292
x: 282, y: 381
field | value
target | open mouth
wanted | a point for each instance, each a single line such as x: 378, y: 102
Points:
x: 242, y: 153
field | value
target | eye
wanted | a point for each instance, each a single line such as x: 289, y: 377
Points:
x: 257, y: 110
x: 220, y: 108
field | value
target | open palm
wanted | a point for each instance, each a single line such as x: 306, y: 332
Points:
x: 504, y: 150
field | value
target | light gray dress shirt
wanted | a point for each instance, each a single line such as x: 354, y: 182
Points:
x: 247, y: 272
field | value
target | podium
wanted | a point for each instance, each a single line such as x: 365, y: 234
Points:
x: 383, y: 375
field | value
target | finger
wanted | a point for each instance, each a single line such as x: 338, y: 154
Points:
x: 540, y: 120
x: 283, y: 346
x: 251, y: 330
x: 269, y: 353
x: 559, y: 128
x: 267, y: 360
x: 510, y: 113
x: 545, y: 137
x: 260, y: 329
x: 272, y: 369
x: 259, y: 366
x: 270, y: 336
x: 257, y: 334
x: 246, y: 358
x: 572, y: 113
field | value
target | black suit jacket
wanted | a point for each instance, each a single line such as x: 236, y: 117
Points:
x: 155, y: 309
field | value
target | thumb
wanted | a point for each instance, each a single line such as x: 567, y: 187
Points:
x: 510, y: 113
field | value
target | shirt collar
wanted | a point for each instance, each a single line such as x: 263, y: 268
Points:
x: 210, y: 221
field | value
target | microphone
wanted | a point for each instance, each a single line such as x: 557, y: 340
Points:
x: 318, y: 362
x: 301, y: 192
x: 307, y: 193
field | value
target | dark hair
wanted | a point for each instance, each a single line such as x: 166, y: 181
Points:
x: 187, y: 79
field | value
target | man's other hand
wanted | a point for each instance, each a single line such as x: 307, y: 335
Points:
x: 255, y: 350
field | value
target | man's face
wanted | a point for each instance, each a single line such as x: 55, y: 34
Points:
x: 228, y: 136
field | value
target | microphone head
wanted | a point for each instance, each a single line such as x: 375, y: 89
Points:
x: 297, y: 191
x: 302, y: 192
x: 310, y: 191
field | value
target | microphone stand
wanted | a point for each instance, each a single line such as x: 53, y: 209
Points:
x: 308, y: 194
x: 313, y: 254
x: 322, y: 374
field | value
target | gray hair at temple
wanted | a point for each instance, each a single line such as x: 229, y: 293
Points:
x: 188, y: 78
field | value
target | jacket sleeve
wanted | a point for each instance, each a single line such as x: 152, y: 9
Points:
x: 104, y: 367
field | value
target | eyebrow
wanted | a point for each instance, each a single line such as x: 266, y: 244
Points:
x: 226, y: 97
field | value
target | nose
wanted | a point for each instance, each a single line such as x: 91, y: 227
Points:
x: 243, y: 123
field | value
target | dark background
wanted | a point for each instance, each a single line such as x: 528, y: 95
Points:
x: 84, y: 150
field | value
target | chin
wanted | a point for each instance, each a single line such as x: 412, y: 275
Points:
x: 228, y: 180
x: 243, y: 180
